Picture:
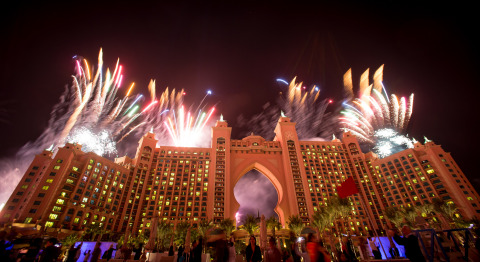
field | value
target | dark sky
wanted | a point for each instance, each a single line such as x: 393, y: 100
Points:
x: 238, y: 50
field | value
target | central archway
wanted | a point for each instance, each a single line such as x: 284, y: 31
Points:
x: 256, y: 195
x: 269, y: 169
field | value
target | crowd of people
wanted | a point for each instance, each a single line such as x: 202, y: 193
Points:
x: 312, y: 250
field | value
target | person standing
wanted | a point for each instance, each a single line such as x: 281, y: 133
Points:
x: 372, y: 242
x: 410, y: 241
x: 72, y: 253
x: 197, y: 251
x: 312, y: 248
x: 231, y: 250
x: 138, y: 252
x: 96, y: 252
x: 86, y: 255
x: 33, y: 250
x: 6, y: 247
x: 252, y: 252
x: 126, y: 252
x: 108, y: 254
x: 315, y: 250
x: 296, y: 257
x: 180, y: 253
x: 50, y: 252
x: 301, y: 251
x: 272, y: 254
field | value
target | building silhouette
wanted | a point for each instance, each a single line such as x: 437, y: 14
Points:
x: 74, y: 189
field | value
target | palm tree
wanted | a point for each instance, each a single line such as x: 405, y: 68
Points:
x: 426, y: 210
x: 70, y: 240
x: 295, y: 224
x: 181, y: 232
x: 164, y: 234
x: 250, y: 224
x: 93, y: 230
x: 394, y: 215
x: 447, y: 209
x: 410, y: 215
x: 204, y: 226
x: 322, y: 219
x: 227, y: 225
x: 137, y: 240
x: 273, y: 223
x: 340, y: 207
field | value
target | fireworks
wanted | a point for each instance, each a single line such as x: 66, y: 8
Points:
x: 100, y: 144
x: 185, y: 129
x: 96, y: 115
x: 374, y: 119
x: 303, y: 106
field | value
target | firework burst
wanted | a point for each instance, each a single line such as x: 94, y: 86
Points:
x: 186, y: 129
x: 96, y: 116
x: 377, y: 121
x: 303, y: 106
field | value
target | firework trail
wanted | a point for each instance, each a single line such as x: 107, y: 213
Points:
x: 302, y: 106
x: 377, y: 121
x: 153, y: 119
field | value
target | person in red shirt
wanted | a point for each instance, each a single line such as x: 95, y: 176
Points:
x: 316, y: 251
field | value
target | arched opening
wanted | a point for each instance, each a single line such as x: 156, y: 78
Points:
x: 256, y: 195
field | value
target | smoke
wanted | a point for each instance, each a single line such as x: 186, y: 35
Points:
x: 11, y: 172
x: 255, y: 194
x: 13, y: 168
x: 302, y: 107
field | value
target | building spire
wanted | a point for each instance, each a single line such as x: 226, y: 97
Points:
x: 427, y: 140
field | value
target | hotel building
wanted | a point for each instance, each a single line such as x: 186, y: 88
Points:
x: 72, y: 189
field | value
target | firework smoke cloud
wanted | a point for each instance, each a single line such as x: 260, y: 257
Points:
x: 302, y: 106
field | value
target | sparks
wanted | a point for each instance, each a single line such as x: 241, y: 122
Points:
x: 303, y: 106
x: 378, y: 122
x: 100, y: 143
x: 186, y: 130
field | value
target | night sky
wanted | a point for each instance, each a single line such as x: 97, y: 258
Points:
x: 238, y: 50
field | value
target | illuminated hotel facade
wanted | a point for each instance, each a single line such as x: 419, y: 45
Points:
x: 73, y: 189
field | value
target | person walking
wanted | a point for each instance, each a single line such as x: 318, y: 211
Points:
x: 252, y: 252
x: 96, y: 252
x: 50, y: 252
x: 108, y: 254
x: 273, y: 254
x: 86, y: 255
x: 410, y: 242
